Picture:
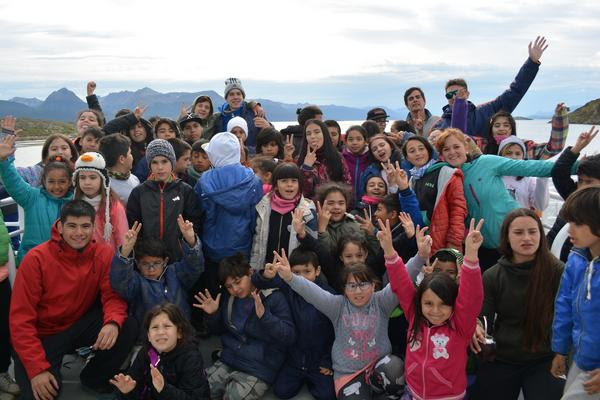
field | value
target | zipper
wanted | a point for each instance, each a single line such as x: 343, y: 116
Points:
x: 356, y: 177
x: 279, y: 235
x: 578, y: 298
x: 161, y: 209
x: 426, y: 338
x: 474, y: 195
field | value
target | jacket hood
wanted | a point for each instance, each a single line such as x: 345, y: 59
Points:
x: 226, y: 186
x: 521, y: 269
x: 512, y: 140
x: 223, y: 149
x: 295, y: 130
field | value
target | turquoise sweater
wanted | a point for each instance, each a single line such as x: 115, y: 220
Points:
x: 41, y: 209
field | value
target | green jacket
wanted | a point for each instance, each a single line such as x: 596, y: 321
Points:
x: 4, y: 241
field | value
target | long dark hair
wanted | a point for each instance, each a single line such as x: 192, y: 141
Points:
x: 396, y: 154
x: 176, y: 317
x: 491, y: 146
x: 444, y: 287
x: 539, y: 301
x: 327, y: 153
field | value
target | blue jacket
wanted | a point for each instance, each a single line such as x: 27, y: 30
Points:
x: 478, y: 117
x: 228, y: 197
x: 314, y: 332
x: 245, y: 112
x: 576, y: 310
x: 374, y: 169
x: 142, y: 293
x: 259, y: 346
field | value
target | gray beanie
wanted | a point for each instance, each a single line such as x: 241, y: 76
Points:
x: 160, y: 147
x: 234, y: 83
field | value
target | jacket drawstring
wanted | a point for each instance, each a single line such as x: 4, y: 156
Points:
x: 589, y: 272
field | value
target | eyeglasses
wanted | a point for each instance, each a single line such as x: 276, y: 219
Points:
x: 451, y: 94
x: 154, y: 266
x: 354, y: 286
x: 381, y: 120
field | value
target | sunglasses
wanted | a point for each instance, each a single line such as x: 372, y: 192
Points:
x: 451, y: 94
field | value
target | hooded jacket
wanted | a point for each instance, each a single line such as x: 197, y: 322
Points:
x: 576, y: 324
x: 122, y: 124
x: 245, y: 112
x: 356, y: 165
x: 56, y: 285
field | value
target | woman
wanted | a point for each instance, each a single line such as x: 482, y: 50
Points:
x: 518, y: 307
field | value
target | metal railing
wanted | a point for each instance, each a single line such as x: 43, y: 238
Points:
x: 8, y: 201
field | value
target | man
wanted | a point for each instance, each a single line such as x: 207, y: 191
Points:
x: 419, y: 117
x: 478, y: 117
x: 380, y: 117
x: 62, y: 301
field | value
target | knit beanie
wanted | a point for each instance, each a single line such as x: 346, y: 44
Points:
x: 512, y: 140
x: 239, y: 122
x: 234, y: 83
x: 92, y: 161
x: 223, y: 149
x: 161, y: 147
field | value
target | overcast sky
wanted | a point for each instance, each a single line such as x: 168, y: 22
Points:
x: 342, y: 52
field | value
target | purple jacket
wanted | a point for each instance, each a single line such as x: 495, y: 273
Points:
x: 356, y: 166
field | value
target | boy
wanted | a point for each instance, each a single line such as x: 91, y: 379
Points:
x: 309, y: 360
x: 403, y: 229
x: 157, y: 202
x: 90, y: 140
x: 116, y: 149
x: 200, y: 162
x: 182, y: 156
x: 576, y: 325
x: 150, y: 280
x: 166, y: 128
x: 256, y: 328
x: 447, y: 261
x: 191, y: 126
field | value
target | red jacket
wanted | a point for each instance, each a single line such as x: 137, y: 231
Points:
x: 435, y: 363
x: 55, y: 286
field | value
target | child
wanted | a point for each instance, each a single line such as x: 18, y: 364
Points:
x: 447, y: 261
x: 335, y: 132
x: 362, y: 363
x: 256, y: 328
x: 199, y: 159
x: 274, y: 216
x: 239, y: 127
x: 383, y: 151
x: 41, y: 205
x: 92, y: 184
x: 403, y: 228
x: 183, y: 153
x: 374, y: 190
x: 263, y: 167
x: 90, y: 140
x: 203, y: 107
x: 442, y: 318
x: 150, y: 280
x: 576, y: 304
x: 170, y: 365
x: 269, y: 142
x: 116, y: 149
x: 157, y: 202
x: 356, y: 156
x: 191, y: 125
x: 309, y: 360
x: 166, y: 128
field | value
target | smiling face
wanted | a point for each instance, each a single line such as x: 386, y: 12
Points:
x: 288, y: 188
x: 434, y: 309
x: 202, y: 109
x: 165, y: 131
x: 57, y: 182
x: 501, y: 127
x: 89, y: 183
x: 336, y: 204
x: 375, y: 187
x: 352, y: 254
x: 76, y: 231
x: 86, y: 120
x: 454, y: 152
x: 381, y: 149
x: 415, y: 102
x: 314, y: 136
x: 358, y: 293
x: 524, y: 238
x: 513, y: 151
x: 234, y: 99
x: 355, y: 142
x: 163, y: 334
x: 416, y: 153
x: 239, y: 287
x: 137, y: 133
x: 307, y: 271
x: 59, y: 147
x: 161, y: 167
x: 461, y: 93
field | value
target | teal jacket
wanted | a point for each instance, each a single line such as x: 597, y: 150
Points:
x: 41, y: 209
x: 486, y: 194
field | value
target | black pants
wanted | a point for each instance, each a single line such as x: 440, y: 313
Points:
x: 503, y: 381
x: 398, y: 332
x: 4, y: 331
x: 103, y: 366
x: 488, y: 258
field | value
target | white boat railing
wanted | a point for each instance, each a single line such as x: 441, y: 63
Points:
x: 16, y: 224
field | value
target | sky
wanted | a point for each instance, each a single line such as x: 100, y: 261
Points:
x: 316, y: 51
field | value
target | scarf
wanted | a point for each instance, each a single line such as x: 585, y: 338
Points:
x: 418, y: 172
x: 171, y: 178
x: 119, y: 175
x: 283, y: 206
x: 93, y: 201
x: 500, y: 138
x: 370, y: 200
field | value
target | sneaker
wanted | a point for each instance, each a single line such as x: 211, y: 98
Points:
x: 8, y: 384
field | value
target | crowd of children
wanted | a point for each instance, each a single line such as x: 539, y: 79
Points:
x: 409, y: 264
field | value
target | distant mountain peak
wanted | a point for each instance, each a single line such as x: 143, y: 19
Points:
x: 62, y: 95
x: 28, y: 101
x: 146, y: 91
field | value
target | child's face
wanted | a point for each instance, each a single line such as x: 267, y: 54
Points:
x: 161, y: 168
x: 239, y: 287
x: 202, y: 109
x: 288, y: 188
x: 307, y: 271
x: 381, y: 150
x: 513, y: 151
x: 434, y: 309
x: 89, y: 183
x: 416, y: 153
x: 336, y: 204
x: 501, y: 127
x: 239, y: 133
x: 270, y: 149
x: 57, y: 183
x: 581, y: 235
x: 234, y: 99
x: 192, y: 131
x: 89, y: 143
x: 352, y: 254
x: 314, y: 136
x: 151, y: 267
x: 165, y: 131
x: 335, y: 135
x: 375, y: 187
x: 355, y: 142
x: 200, y: 161
x: 86, y: 120
x: 183, y: 162
x: 585, y: 181
x: 447, y: 267
x: 137, y: 133
x: 357, y: 294
x: 163, y: 334
x: 127, y: 161
x: 59, y: 147
x: 383, y: 214
x: 524, y: 238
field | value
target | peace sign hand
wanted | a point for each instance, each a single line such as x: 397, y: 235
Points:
x: 323, y: 217
x: 283, y: 265
x: 365, y: 223
x: 407, y: 224
x: 139, y: 111
x: 288, y: 148
x: 424, y: 243
x: 187, y: 230
x: 473, y: 240
x: 385, y: 238
x: 130, y: 238
x: 259, y: 307
x: 206, y: 303
x: 311, y: 157
x: 584, y: 139
x: 298, y: 223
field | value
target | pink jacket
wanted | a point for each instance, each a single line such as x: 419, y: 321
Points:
x: 435, y: 363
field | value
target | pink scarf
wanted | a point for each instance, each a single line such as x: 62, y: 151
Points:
x: 371, y: 200
x: 283, y: 206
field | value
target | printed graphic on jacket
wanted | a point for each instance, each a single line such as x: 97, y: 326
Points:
x: 361, y: 344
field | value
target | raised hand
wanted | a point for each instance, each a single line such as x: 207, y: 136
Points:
x: 407, y: 224
x: 538, y: 48
x: 323, y: 217
x: 259, y: 111
x: 270, y: 270
x: 424, y: 243
x: 428, y: 269
x: 259, y: 307
x: 157, y: 379
x: 389, y: 171
x: 385, y: 238
x: 124, y: 383
x: 139, y: 111
x: 289, y: 148
x: 401, y: 177
x: 311, y: 157
x: 130, y: 238
x: 365, y: 223
x: 206, y: 302
x: 7, y: 146
x: 187, y: 230
x: 298, y: 223
x: 584, y: 139
x: 184, y: 110
x: 91, y: 87
x: 559, y: 108
x: 282, y: 264
x: 260, y: 122
x: 473, y: 240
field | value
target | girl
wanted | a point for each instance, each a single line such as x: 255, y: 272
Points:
x: 170, y: 365
x: 335, y: 132
x: 274, y: 216
x: 319, y: 160
x: 375, y: 189
x: 86, y: 119
x: 439, y: 190
x: 92, y: 184
x: 269, y: 143
x: 41, y: 205
x: 382, y: 151
x: 166, y: 128
x: 361, y: 353
x: 442, y: 318
x: 203, y: 107
x: 518, y: 308
x: 530, y: 192
x: 503, y: 125
x: 356, y: 156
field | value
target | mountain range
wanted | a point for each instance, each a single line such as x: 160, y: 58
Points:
x: 63, y: 105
